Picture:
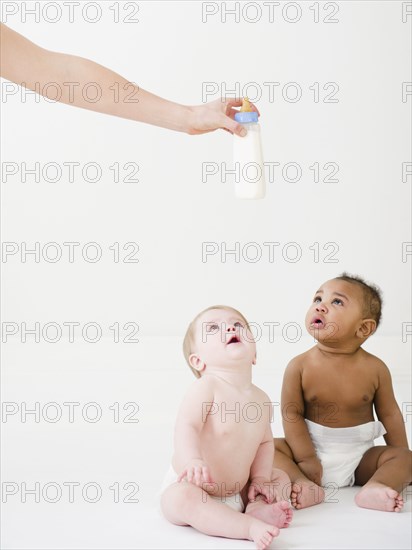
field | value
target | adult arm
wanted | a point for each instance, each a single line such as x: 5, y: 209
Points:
x: 35, y: 68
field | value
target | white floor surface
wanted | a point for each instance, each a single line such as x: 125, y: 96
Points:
x: 331, y: 525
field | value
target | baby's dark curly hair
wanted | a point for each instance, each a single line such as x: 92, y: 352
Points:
x: 372, y: 296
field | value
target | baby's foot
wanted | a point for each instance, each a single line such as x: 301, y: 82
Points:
x: 305, y: 494
x: 278, y: 514
x: 379, y: 497
x: 262, y: 533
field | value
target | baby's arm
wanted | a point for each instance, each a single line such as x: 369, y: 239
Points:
x: 261, y: 469
x: 33, y: 67
x: 387, y: 409
x: 294, y: 425
x: 188, y: 460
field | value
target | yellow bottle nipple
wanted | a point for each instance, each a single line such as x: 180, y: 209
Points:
x: 246, y: 106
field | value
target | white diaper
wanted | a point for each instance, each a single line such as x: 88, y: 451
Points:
x: 233, y: 501
x: 341, y: 449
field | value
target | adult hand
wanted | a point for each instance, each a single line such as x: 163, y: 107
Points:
x: 217, y: 114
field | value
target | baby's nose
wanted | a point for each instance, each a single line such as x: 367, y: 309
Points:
x: 231, y: 328
x: 320, y: 307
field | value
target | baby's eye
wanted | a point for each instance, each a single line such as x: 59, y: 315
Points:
x: 238, y: 324
x: 337, y: 301
x: 209, y: 328
x: 316, y: 299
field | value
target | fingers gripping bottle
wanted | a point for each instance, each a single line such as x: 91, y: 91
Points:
x: 247, y: 152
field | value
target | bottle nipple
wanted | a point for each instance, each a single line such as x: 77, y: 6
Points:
x: 246, y: 106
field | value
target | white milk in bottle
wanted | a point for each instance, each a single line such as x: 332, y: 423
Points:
x: 247, y: 152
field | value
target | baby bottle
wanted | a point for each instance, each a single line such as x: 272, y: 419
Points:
x: 247, y: 152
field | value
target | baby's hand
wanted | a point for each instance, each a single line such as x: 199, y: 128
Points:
x: 312, y: 468
x: 262, y: 486
x: 196, y: 472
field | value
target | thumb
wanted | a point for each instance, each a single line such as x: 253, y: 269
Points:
x: 182, y: 476
x: 251, y: 493
x: 271, y: 496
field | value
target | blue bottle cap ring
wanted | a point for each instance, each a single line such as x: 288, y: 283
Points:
x: 248, y: 116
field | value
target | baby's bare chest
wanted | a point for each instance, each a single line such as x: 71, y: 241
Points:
x: 334, y: 388
x: 234, y: 416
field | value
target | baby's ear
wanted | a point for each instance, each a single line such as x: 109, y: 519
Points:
x: 196, y: 363
x: 367, y: 327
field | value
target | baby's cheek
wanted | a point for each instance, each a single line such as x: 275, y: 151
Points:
x: 249, y: 336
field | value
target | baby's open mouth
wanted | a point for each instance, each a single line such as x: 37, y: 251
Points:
x: 234, y: 340
x: 318, y: 322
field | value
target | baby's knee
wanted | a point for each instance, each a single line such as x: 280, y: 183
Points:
x: 278, y: 442
x: 405, y: 455
x: 178, y: 496
x: 401, y: 454
x: 282, y: 447
x: 280, y: 476
x: 282, y: 483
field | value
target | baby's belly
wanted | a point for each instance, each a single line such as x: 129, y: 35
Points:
x: 339, y: 416
x: 226, y: 480
x: 229, y: 467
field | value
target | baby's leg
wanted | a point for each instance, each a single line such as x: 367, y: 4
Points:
x: 278, y: 513
x: 304, y: 491
x: 186, y: 504
x: 282, y: 484
x: 384, y: 472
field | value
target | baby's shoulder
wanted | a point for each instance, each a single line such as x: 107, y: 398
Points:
x: 260, y: 395
x: 301, y: 361
x: 372, y: 360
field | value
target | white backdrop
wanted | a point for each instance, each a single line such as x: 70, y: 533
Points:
x: 332, y: 83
